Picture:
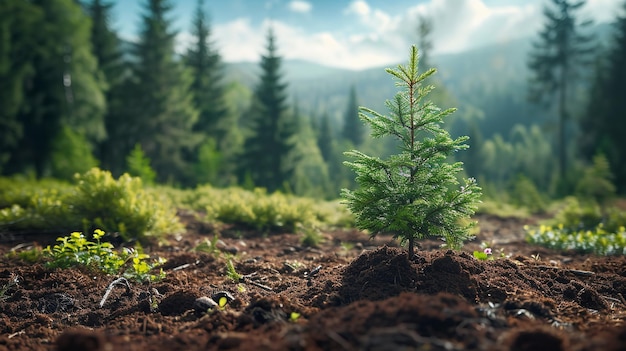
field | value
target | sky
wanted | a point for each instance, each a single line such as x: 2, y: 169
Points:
x: 354, y: 34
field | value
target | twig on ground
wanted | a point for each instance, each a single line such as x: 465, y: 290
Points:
x: 314, y: 271
x: 119, y: 281
x: 17, y: 333
x: 186, y: 265
x: 247, y: 279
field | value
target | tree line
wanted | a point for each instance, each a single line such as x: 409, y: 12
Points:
x: 74, y: 95
x: 580, y: 81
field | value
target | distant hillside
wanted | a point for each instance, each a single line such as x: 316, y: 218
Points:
x: 488, y: 84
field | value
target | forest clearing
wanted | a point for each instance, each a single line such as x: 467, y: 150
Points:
x: 346, y: 293
x: 153, y: 197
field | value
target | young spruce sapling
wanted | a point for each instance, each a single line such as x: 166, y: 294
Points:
x: 413, y: 194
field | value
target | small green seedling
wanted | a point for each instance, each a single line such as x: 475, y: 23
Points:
x: 294, y: 316
x: 223, y: 301
x: 222, y: 298
x: 484, y: 255
x: 231, y: 272
x: 347, y: 246
x: 75, y: 249
x: 209, y: 246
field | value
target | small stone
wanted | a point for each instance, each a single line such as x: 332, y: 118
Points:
x: 289, y: 250
x: 203, y: 304
x: 233, y: 250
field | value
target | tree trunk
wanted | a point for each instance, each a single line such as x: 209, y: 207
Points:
x: 411, y: 248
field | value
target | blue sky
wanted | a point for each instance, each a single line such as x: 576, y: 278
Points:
x: 354, y: 34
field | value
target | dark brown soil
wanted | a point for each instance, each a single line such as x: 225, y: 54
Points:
x: 366, y: 295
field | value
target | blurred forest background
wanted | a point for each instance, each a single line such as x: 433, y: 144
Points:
x: 546, y: 115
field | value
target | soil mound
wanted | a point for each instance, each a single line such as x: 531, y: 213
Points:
x: 378, y: 274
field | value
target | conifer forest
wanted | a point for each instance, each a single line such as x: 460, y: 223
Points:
x: 75, y: 95
x: 216, y: 186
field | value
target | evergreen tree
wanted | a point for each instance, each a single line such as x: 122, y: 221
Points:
x: 265, y: 152
x: 107, y: 50
x: 205, y: 65
x: 138, y: 165
x: 161, y: 113
x: 18, y: 29
x: 412, y: 194
x: 215, y: 122
x: 325, y: 138
x: 555, y: 61
x: 310, y: 176
x: 71, y: 154
x: 105, y: 42
x: 604, y: 123
x: 65, y: 87
x: 472, y: 160
x: 353, y: 128
x: 424, y: 40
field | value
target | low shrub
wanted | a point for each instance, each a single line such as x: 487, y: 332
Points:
x: 598, y: 241
x: 96, y: 200
x: 582, y: 225
x: 259, y: 210
x: 576, y: 214
x: 501, y: 209
x: 524, y: 194
x: 20, y: 191
x: 121, y: 206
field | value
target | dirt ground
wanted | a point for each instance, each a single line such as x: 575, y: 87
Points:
x: 350, y: 293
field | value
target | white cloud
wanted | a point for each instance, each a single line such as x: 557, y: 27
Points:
x: 358, y: 7
x: 462, y: 24
x: 239, y: 40
x: 378, y: 38
x: 601, y: 10
x: 300, y: 6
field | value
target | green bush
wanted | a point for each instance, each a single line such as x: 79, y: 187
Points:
x: 138, y: 165
x: 596, y: 184
x: 121, y: 206
x: 20, y: 191
x: 97, y: 200
x: 584, y: 226
x: 262, y: 211
x: 258, y: 210
x: 524, y: 193
x: 71, y: 154
x: 33, y: 205
x: 501, y: 209
x: 598, y: 241
x: 577, y: 215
